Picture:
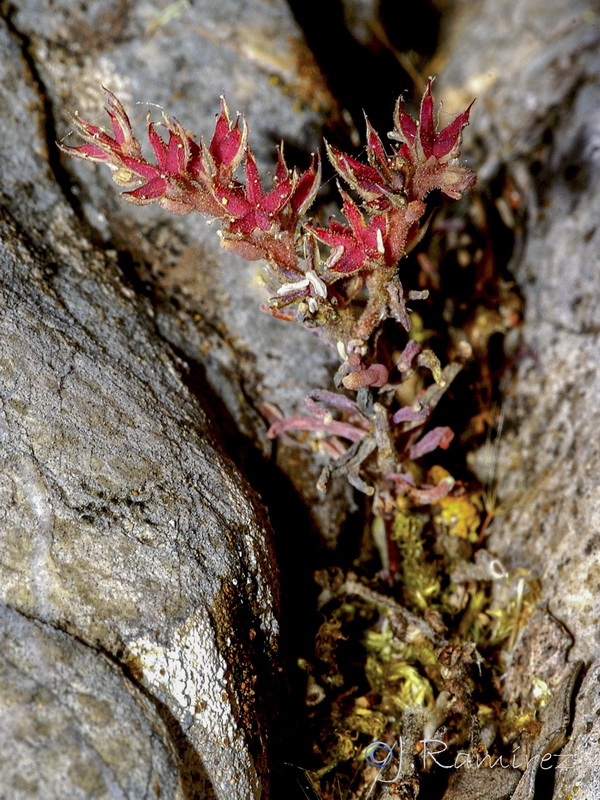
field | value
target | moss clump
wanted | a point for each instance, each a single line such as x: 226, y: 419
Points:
x: 418, y: 576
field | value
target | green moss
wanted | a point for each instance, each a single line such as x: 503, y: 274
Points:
x: 419, y: 577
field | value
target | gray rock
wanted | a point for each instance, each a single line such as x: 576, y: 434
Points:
x: 182, y: 59
x: 121, y: 522
x: 72, y: 725
x: 578, y: 762
x: 537, y: 117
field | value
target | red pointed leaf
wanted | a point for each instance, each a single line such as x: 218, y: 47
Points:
x: 356, y: 174
x: 450, y: 137
x: 426, y: 123
x: 158, y: 145
x: 91, y: 151
x: 306, y: 188
x: 335, y: 236
x: 222, y: 128
x: 276, y: 199
x: 282, y: 173
x: 375, y: 144
x: 174, y: 149
x: 233, y: 202
x: 118, y: 132
x: 149, y: 192
x: 352, y: 214
x: 121, y: 125
x: 254, y: 190
x: 404, y: 123
x: 140, y: 167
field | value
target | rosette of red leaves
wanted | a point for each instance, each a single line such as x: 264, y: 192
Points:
x: 259, y: 223
x: 431, y: 156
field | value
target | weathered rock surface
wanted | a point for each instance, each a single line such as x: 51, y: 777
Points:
x: 538, y: 116
x: 72, y: 725
x: 124, y: 530
x: 206, y: 300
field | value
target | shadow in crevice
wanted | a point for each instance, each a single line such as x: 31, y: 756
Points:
x: 195, y: 782
x: 546, y: 778
x: 361, y: 77
x: 297, y: 554
x: 296, y: 544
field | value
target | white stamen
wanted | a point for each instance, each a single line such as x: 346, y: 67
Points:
x: 291, y: 287
x: 318, y: 285
x: 335, y: 256
x: 312, y: 305
x: 342, y: 351
x: 380, y: 247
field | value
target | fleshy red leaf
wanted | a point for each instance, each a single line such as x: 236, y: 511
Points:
x: 149, y: 192
x: 140, y: 167
x: 438, y: 437
x: 228, y: 142
x: 158, y: 145
x: 376, y: 375
x: 449, y: 138
x: 307, y: 187
x: 426, y: 123
x: 405, y: 125
x: 254, y: 190
x: 300, y: 423
x: 233, y: 201
x: 374, y: 143
x: 121, y: 125
x: 410, y: 414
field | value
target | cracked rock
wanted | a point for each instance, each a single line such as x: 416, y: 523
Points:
x: 72, y: 725
x: 206, y: 300
x: 138, y: 554
x: 537, y: 119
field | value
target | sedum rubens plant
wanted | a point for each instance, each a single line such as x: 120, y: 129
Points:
x: 315, y: 272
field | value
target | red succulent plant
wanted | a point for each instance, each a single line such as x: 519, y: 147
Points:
x: 386, y: 218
